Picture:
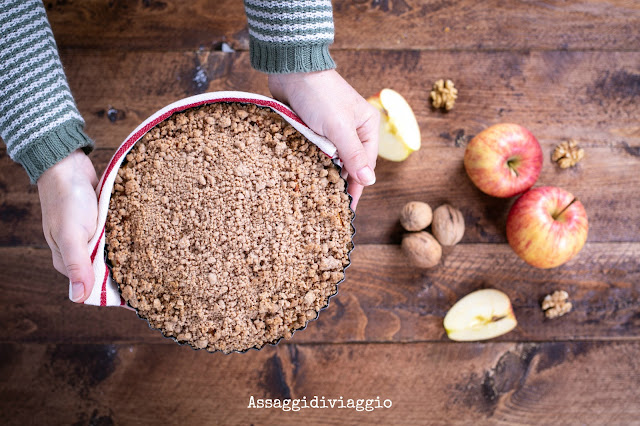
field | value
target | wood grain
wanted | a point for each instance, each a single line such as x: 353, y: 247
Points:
x: 382, y: 300
x: 589, y: 96
x: 498, y: 383
x: 562, y: 68
x: 605, y: 182
x: 368, y: 24
x: 149, y: 24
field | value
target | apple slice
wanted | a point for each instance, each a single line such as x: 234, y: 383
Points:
x: 481, y: 315
x: 399, y: 130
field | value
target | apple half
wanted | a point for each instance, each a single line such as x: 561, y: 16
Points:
x: 481, y: 315
x: 399, y: 130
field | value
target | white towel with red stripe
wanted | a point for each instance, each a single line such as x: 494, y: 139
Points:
x: 105, y: 291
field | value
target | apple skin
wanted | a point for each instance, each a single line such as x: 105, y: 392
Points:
x: 547, y: 226
x: 503, y: 160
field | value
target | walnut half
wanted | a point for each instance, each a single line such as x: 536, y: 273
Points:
x: 443, y: 94
x: 567, y: 154
x: 556, y: 304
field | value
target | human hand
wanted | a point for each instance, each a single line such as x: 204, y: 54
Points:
x: 69, y: 215
x: 332, y: 108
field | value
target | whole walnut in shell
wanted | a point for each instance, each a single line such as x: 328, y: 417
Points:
x: 422, y: 249
x: 448, y: 225
x: 415, y: 216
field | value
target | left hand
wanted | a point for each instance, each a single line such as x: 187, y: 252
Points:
x: 69, y: 214
x: 332, y: 108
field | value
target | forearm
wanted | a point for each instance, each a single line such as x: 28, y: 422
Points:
x: 39, y: 120
x: 288, y: 36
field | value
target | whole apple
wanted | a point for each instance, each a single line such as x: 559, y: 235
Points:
x: 503, y: 160
x: 547, y: 226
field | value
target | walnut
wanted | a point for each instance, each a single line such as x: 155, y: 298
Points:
x: 415, y: 216
x: 443, y: 94
x: 422, y: 249
x: 567, y: 154
x: 448, y: 225
x: 556, y: 304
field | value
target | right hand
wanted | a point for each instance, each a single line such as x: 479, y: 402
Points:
x: 332, y: 108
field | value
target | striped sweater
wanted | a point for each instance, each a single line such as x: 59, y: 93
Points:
x: 39, y: 120
x: 290, y: 36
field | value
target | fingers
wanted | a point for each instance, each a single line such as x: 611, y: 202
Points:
x: 57, y: 262
x: 77, y: 265
x: 352, y: 153
x: 355, y: 189
x: 369, y: 134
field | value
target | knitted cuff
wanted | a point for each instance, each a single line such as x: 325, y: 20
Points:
x: 281, y: 59
x: 46, y: 151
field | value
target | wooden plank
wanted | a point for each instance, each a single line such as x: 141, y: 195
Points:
x: 589, y: 96
x: 382, y: 300
x: 489, y: 25
x: 494, y: 87
x: 148, y: 24
x: 408, y: 24
x: 425, y: 383
x: 607, y: 182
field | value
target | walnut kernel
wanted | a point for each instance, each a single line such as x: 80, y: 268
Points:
x: 567, y: 154
x: 448, y: 225
x: 422, y: 249
x: 443, y: 94
x: 556, y: 304
x: 415, y: 216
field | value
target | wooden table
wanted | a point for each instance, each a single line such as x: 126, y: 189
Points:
x: 563, y: 69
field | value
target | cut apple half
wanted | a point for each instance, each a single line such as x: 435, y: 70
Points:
x: 481, y: 315
x: 399, y: 130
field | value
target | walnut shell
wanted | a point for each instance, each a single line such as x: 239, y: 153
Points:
x: 415, y: 216
x: 448, y: 225
x: 422, y: 249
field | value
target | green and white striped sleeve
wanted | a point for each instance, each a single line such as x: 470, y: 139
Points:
x: 287, y: 36
x: 39, y: 120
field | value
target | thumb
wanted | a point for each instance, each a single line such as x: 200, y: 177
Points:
x: 353, y: 155
x: 77, y: 262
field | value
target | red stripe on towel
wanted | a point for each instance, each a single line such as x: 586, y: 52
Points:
x: 95, y: 249
x: 103, y: 293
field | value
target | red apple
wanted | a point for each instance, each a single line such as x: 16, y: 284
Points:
x: 503, y: 160
x: 547, y: 226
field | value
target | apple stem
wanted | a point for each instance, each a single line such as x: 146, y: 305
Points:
x: 511, y: 163
x: 556, y: 216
